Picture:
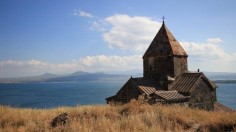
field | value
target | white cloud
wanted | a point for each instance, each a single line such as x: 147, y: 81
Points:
x: 129, y: 33
x: 82, y: 14
x: 12, y: 68
x: 208, y: 51
x: 99, y: 26
x: 214, y: 40
x: 209, y: 56
x: 106, y: 63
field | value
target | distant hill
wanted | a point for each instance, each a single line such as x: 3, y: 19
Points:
x: 78, y: 73
x: 89, y: 77
x: 133, y: 72
x: 73, y: 77
x: 48, y: 75
x: 219, y: 77
x: 28, y: 79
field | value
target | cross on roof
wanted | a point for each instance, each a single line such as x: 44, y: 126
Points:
x: 163, y: 18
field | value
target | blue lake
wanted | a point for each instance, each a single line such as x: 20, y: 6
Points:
x: 49, y: 95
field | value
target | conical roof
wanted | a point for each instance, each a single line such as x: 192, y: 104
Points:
x: 164, y: 43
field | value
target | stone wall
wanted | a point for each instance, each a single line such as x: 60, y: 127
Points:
x: 154, y: 67
x: 202, y: 97
x: 180, y: 65
x: 127, y: 92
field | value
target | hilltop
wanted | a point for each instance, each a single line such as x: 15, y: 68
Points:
x: 129, y: 117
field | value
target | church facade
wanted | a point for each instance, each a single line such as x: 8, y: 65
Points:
x: 166, y: 78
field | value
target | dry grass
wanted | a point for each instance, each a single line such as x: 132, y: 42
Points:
x: 132, y: 117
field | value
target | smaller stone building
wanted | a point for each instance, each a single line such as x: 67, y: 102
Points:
x: 166, y: 77
x: 200, y: 90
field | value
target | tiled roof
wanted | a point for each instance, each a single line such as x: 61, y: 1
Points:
x: 170, y: 95
x: 164, y: 43
x: 152, y: 86
x: 147, y: 86
x: 185, y: 82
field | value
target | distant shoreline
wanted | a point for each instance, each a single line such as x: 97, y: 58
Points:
x: 224, y: 81
x: 11, y: 82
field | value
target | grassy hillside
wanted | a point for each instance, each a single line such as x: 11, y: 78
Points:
x: 104, y: 118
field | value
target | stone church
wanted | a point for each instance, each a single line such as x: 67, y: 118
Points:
x: 166, y: 78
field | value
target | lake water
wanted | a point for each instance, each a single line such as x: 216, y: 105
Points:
x: 49, y: 95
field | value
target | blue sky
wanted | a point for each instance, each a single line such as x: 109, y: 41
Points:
x: 60, y: 36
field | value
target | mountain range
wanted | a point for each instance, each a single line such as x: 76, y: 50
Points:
x: 100, y: 76
x: 73, y: 77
